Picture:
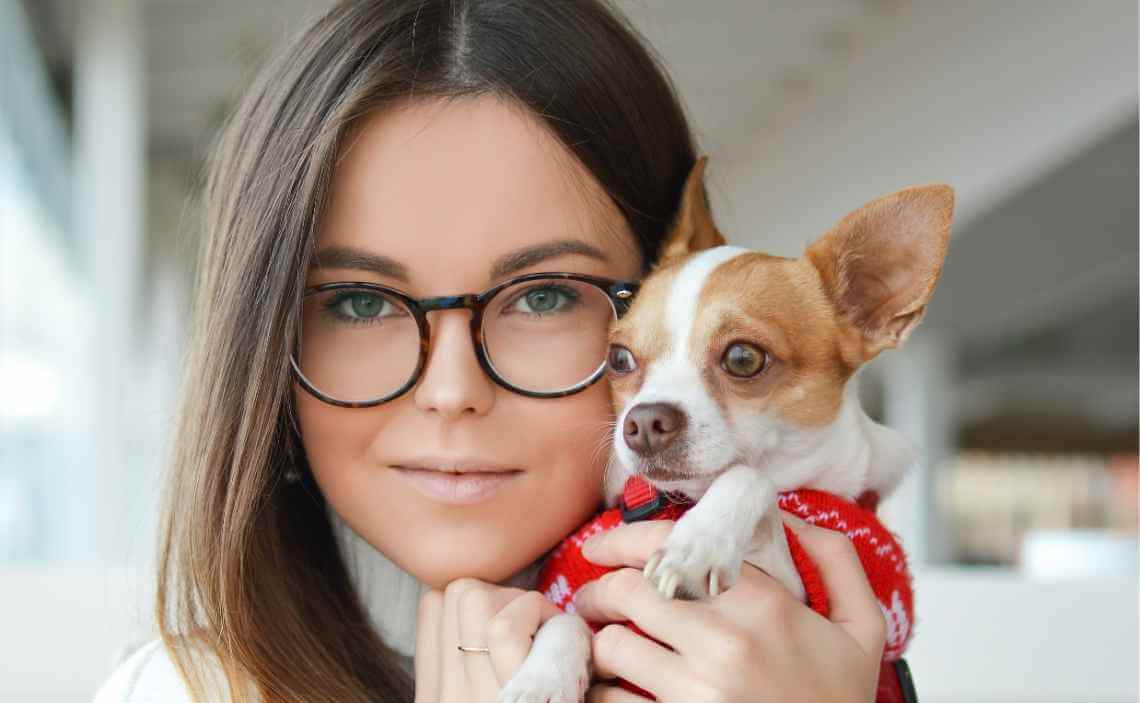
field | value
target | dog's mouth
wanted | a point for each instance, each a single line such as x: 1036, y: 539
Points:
x: 658, y: 474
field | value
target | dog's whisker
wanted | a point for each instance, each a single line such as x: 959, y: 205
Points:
x: 611, y: 461
x: 604, y: 440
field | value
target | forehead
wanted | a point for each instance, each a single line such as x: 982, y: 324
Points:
x: 447, y: 186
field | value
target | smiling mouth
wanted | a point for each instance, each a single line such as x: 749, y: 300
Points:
x: 457, y: 487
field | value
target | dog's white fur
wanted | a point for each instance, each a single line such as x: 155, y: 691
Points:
x: 750, y: 457
x: 557, y: 669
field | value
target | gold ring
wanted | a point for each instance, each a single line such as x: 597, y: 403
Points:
x: 477, y: 650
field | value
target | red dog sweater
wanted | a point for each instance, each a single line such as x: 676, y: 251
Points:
x: 882, y: 557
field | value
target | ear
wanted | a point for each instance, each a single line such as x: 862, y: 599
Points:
x: 693, y: 228
x: 880, y: 263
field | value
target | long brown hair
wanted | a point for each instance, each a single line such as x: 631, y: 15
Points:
x: 249, y: 569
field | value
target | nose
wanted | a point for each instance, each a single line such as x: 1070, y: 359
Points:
x: 651, y: 427
x: 453, y: 384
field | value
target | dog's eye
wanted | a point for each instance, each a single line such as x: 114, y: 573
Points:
x: 743, y: 360
x: 621, y: 359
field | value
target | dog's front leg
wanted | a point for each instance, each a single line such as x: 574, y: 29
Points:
x: 703, y: 553
x: 557, y: 668
x: 769, y: 552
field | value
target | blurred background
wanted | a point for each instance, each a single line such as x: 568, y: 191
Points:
x: 1021, y: 386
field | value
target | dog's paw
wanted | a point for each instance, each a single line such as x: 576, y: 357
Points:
x: 694, y: 563
x: 546, y: 682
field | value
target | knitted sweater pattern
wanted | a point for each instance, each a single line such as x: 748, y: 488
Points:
x: 882, y: 557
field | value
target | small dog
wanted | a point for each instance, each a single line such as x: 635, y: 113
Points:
x: 732, y: 376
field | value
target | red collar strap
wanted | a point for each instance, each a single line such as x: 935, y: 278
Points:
x: 640, y: 500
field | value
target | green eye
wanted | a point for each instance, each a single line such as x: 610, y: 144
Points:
x: 542, y: 299
x: 744, y: 360
x: 359, y: 307
x: 365, y: 305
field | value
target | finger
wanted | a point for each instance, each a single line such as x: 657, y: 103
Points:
x: 469, y: 604
x: 479, y: 607
x: 793, y: 520
x: 603, y: 693
x: 511, y: 631
x: 853, y: 602
x: 626, y: 595
x: 753, y: 583
x: 620, y: 652
x: 427, y: 660
x: 452, y: 673
x: 627, y: 544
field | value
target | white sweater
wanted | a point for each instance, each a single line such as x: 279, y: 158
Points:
x: 149, y: 676
x: 390, y: 594
x: 146, y: 675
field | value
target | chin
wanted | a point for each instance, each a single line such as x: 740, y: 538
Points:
x: 437, y: 573
x: 441, y: 559
x: 492, y: 541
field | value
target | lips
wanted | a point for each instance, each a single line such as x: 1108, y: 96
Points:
x: 454, y: 464
x: 457, y: 488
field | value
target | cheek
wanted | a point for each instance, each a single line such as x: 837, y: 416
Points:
x: 804, y: 399
x: 337, y: 443
x: 333, y: 436
x: 812, y: 401
x: 569, y: 442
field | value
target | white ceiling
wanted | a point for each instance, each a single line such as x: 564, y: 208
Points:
x: 808, y: 107
x: 732, y: 60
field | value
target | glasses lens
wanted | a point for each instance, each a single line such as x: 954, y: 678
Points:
x: 547, y: 335
x: 357, y: 344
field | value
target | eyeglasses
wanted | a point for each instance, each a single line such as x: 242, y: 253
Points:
x: 543, y: 335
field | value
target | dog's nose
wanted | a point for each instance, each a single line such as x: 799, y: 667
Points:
x: 650, y: 427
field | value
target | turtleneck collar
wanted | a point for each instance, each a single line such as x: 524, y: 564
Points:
x: 391, y: 595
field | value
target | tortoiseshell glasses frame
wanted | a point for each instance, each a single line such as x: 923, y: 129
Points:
x: 619, y: 292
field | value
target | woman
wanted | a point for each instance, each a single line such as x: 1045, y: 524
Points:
x: 360, y: 472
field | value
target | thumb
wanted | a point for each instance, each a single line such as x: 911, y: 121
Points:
x: 854, y: 606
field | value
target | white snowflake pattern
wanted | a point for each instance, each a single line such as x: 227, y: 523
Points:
x: 559, y: 593
x: 898, y: 626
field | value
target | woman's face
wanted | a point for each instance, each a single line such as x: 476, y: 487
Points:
x: 447, y: 189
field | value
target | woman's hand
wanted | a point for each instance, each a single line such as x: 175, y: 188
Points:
x: 753, y: 642
x: 474, y: 613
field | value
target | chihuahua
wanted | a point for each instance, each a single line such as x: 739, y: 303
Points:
x: 733, y: 381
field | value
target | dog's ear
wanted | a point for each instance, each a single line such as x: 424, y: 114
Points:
x: 880, y: 263
x: 693, y: 229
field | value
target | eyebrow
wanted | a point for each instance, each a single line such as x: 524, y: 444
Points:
x: 348, y: 257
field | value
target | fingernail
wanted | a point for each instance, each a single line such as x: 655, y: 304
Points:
x: 591, y: 544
